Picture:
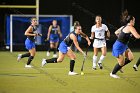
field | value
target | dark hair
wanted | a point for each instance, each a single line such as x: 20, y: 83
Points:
x: 125, y: 18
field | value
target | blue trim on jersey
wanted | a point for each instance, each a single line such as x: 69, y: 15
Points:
x: 29, y: 44
x: 63, y: 47
x: 54, y: 38
x: 119, y: 48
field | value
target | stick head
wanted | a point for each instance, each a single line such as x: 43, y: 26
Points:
x: 82, y: 73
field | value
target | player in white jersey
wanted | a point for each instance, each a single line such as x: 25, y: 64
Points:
x: 99, y: 32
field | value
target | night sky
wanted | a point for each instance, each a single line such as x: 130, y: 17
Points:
x: 82, y: 10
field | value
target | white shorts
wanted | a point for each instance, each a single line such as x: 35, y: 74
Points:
x: 99, y: 43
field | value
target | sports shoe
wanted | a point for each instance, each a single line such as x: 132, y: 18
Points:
x: 114, y: 75
x: 135, y: 67
x: 100, y: 65
x: 72, y: 73
x: 94, y: 68
x: 48, y: 53
x: 43, y: 62
x: 54, y: 55
x: 28, y: 66
x: 19, y: 57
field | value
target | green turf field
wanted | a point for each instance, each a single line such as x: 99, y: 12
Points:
x: 53, y: 78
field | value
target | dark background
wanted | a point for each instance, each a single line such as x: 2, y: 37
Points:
x: 82, y: 10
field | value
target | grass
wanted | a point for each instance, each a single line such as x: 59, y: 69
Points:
x: 53, y: 78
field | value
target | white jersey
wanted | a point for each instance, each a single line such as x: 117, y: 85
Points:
x: 99, y: 32
x: 99, y: 40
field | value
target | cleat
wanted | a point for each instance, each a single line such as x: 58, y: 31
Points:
x: 94, y: 68
x: 28, y: 66
x: 48, y: 54
x: 100, y: 65
x: 72, y: 73
x: 43, y: 62
x: 114, y: 75
x: 54, y: 55
x: 135, y: 67
x: 19, y: 57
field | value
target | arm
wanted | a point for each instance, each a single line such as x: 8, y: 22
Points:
x: 27, y: 32
x: 134, y: 32
x: 92, y: 35
x: 73, y: 37
x: 59, y: 32
x: 86, y: 37
x: 49, y: 31
x: 118, y: 31
x: 108, y: 34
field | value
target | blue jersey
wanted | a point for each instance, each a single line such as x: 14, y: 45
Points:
x: 32, y: 38
x: 68, y: 40
x: 120, y: 46
x: 30, y: 41
x: 54, y: 37
x: 124, y: 37
x: 66, y: 43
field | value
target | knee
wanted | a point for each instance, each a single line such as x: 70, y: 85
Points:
x: 51, y: 46
x: 32, y: 54
x: 121, y: 64
x: 73, y: 58
x: 131, y: 58
x: 59, y: 60
x: 104, y: 53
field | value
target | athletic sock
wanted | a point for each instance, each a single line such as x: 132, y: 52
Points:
x: 25, y: 55
x: 101, y: 59
x: 126, y: 61
x: 52, y: 60
x: 72, y: 62
x: 55, y: 50
x: 30, y: 59
x: 138, y: 62
x: 94, y: 61
x: 116, y: 68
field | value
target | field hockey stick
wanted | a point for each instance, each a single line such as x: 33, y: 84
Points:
x: 82, y: 68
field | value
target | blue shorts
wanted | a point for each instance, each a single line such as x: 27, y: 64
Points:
x: 63, y: 47
x: 119, y: 48
x: 54, y: 38
x: 29, y: 44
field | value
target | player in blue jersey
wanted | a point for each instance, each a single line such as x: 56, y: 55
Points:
x: 31, y: 33
x: 120, y: 48
x: 64, y: 49
x: 54, y: 33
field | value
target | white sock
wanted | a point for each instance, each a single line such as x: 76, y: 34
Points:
x: 94, y: 61
x: 101, y: 59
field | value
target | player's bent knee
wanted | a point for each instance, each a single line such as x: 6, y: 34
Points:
x: 59, y: 60
x: 121, y: 64
x: 131, y: 58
